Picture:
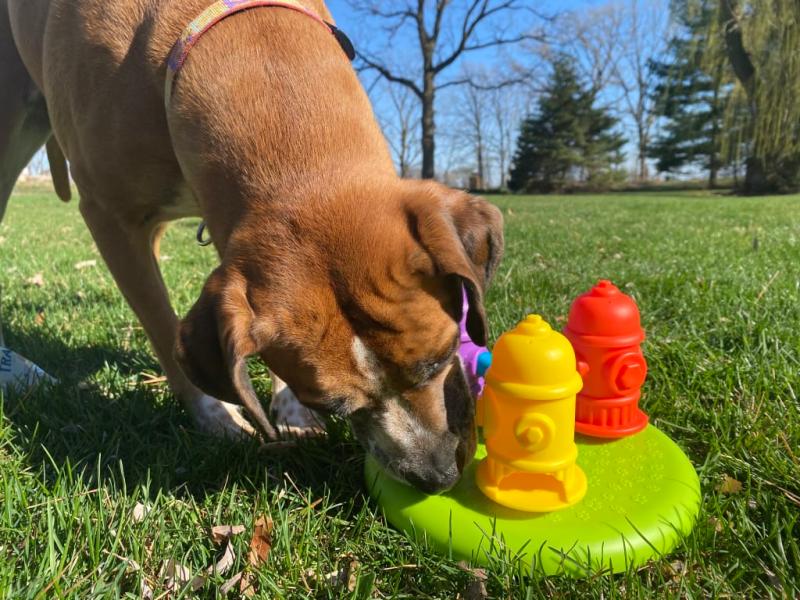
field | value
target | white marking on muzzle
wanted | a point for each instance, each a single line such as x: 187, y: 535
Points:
x: 365, y: 360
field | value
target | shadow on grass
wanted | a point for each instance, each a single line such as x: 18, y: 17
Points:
x: 118, y: 434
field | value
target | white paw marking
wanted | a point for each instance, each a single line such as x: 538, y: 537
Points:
x: 291, y: 417
x: 222, y: 418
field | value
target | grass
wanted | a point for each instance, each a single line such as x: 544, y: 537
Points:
x: 716, y: 279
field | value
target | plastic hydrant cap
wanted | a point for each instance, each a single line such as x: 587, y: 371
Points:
x: 533, y: 325
x: 605, y: 311
x: 537, y: 362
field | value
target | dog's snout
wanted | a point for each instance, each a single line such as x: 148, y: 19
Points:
x: 440, y: 470
x: 434, y: 481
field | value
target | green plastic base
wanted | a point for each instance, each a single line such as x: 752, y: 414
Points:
x: 644, y: 495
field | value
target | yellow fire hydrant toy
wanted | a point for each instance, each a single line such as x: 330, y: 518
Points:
x: 527, y: 410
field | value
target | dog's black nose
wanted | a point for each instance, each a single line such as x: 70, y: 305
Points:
x: 438, y: 473
x: 433, y: 482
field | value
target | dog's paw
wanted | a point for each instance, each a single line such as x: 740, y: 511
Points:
x: 290, y: 417
x: 222, y: 419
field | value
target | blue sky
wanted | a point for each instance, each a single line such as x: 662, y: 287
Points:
x: 403, y: 56
x: 366, y: 33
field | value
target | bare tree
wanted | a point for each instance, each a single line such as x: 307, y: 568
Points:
x: 506, y: 114
x: 645, y: 39
x: 39, y: 165
x: 474, y: 121
x: 612, y: 46
x: 489, y: 120
x: 455, y: 155
x: 400, y: 128
x: 446, y: 31
x: 593, y: 40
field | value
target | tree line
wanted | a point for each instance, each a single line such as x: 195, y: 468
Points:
x: 502, y: 95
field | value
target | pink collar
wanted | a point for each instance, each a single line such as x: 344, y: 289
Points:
x: 225, y: 8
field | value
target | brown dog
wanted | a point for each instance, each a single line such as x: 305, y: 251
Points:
x: 345, y: 279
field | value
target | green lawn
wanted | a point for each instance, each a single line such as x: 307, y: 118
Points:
x: 718, y: 283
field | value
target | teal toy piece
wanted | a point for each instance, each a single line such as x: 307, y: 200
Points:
x: 643, y: 497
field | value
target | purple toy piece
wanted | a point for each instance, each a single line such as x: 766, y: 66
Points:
x: 470, y: 353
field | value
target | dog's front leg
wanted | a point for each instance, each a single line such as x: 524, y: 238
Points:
x: 289, y: 415
x: 131, y: 253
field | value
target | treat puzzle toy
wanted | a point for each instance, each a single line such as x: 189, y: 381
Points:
x: 557, y: 502
x: 476, y: 358
x: 528, y: 417
x: 605, y: 330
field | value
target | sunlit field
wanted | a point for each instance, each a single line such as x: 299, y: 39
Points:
x: 718, y: 285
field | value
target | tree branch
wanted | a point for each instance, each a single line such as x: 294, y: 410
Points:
x: 387, y: 74
x: 480, y: 86
x: 437, y: 25
x: 499, y: 42
x: 467, y: 30
x: 424, y: 38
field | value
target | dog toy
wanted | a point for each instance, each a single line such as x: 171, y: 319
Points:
x: 476, y: 359
x: 525, y: 494
x: 528, y: 415
x: 604, y: 328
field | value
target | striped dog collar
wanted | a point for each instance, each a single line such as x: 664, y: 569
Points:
x: 223, y: 9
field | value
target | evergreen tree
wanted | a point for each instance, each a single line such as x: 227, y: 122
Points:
x: 690, y: 98
x: 568, y: 140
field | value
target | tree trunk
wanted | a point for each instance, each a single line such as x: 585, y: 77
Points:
x: 428, y: 127
x: 643, y: 173
x: 755, y: 178
x: 502, y: 161
x: 712, y: 175
x: 480, y: 162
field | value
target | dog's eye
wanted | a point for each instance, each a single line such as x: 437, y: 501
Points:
x: 423, y: 371
x: 426, y: 370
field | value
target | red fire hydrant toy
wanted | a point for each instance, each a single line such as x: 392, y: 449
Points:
x: 605, y: 330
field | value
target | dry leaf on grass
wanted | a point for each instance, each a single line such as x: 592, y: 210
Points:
x: 716, y: 524
x: 229, y: 585
x: 247, y: 587
x: 260, y: 545
x: 221, y: 533
x: 146, y: 592
x: 37, y: 280
x: 139, y: 512
x: 261, y: 542
x: 346, y: 575
x: 730, y: 486
x: 85, y: 264
x: 39, y: 318
x: 224, y: 564
x: 133, y: 568
x: 675, y: 570
x: 176, y: 577
x: 475, y: 589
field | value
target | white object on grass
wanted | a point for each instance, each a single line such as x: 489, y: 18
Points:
x: 19, y: 373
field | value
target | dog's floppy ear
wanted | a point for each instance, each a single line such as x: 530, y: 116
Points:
x: 214, y: 341
x: 463, y: 235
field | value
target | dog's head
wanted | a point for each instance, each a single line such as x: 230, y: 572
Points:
x: 357, y: 309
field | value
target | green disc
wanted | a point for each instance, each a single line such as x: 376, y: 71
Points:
x: 643, y: 496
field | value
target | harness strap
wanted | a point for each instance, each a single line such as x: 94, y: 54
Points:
x: 222, y: 9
